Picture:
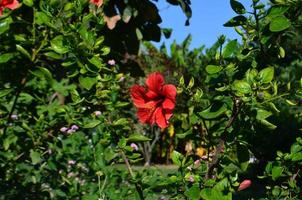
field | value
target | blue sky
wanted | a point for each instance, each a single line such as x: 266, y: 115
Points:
x: 206, y: 23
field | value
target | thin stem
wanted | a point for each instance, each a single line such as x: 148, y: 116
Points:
x: 137, y: 186
x: 222, y: 140
x: 23, y: 81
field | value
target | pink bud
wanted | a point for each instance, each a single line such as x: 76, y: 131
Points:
x: 244, y: 184
x: 111, y: 62
x: 97, y: 113
x: 71, y: 162
x: 191, y: 179
x: 63, y: 129
x: 14, y: 117
x: 74, y: 127
x: 197, y: 163
x: 134, y: 146
x: 70, y: 131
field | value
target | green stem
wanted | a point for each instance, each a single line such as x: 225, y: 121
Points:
x: 137, y: 186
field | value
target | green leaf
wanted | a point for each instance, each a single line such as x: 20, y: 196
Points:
x: 23, y: 51
x: 213, y: 69
x: 139, y: 34
x: 236, y: 21
x: 241, y: 87
x: 262, y: 114
x: 268, y: 124
x: 42, y: 72
x: 87, y: 82
x: 53, y: 55
x: 35, y: 157
x: 214, y: 111
x: 297, y: 156
x: 136, y: 137
x: 177, y: 158
x: 266, y: 75
x: 250, y: 75
x: 237, y: 7
x: 230, y: 48
x: 29, y: 3
x: 90, y: 197
x: 193, y: 193
x: 58, y: 45
x: 41, y: 18
x: 92, y: 124
x: 295, y: 148
x: 279, y: 23
x: 127, y: 13
x: 96, y: 61
x: 6, y: 57
x: 276, y: 11
x: 11, y: 139
x: 276, y: 172
x: 5, y: 24
x: 167, y: 32
x: 5, y: 92
x: 243, y: 156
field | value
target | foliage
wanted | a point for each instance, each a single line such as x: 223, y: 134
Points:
x: 67, y: 124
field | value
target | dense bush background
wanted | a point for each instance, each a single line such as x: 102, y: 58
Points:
x: 67, y: 122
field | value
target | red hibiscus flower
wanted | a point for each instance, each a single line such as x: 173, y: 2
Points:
x: 98, y: 3
x: 11, y: 4
x: 155, y: 102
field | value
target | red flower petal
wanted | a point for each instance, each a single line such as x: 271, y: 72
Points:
x: 168, y: 104
x: 138, y: 95
x: 155, y: 82
x: 151, y: 94
x: 160, y: 119
x: 169, y: 91
x: 168, y: 114
x: 144, y: 115
x: 11, y: 4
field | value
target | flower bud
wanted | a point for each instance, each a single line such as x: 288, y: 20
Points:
x: 244, y: 184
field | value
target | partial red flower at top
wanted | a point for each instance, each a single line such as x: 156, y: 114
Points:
x: 10, y: 4
x: 98, y: 3
x: 155, y: 102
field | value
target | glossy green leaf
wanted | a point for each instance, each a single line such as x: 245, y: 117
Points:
x: 35, y: 157
x: 213, y: 69
x: 23, y: 51
x: 87, y: 82
x: 279, y: 23
x: 236, y: 21
x: 193, y: 192
x: 276, y: 172
x: 297, y: 157
x: 58, y: 45
x: 5, y: 24
x: 237, y: 7
x: 136, y: 137
x: 177, y: 158
x: 214, y: 111
x: 5, y: 92
x: 241, y: 87
x: 92, y: 124
x: 29, y: 3
x: 266, y: 75
x: 6, y: 57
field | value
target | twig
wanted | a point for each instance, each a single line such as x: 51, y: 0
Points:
x: 222, y: 140
x: 23, y: 81
x: 137, y: 186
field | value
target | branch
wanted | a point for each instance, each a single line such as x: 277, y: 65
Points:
x: 23, y: 81
x: 137, y: 186
x: 222, y: 140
